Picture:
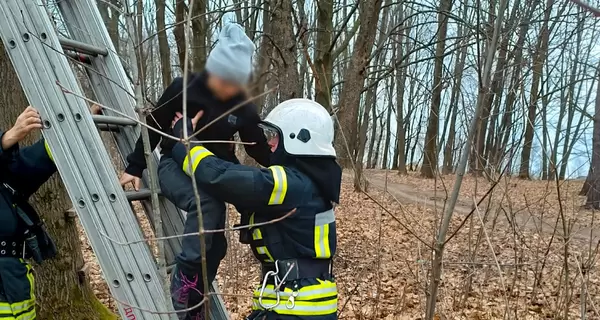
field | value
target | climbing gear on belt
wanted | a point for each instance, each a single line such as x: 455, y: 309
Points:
x: 291, y: 303
x: 38, y: 244
x: 300, y: 268
x: 11, y: 247
x: 277, y: 280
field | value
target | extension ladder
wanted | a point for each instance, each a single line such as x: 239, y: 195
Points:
x: 40, y: 58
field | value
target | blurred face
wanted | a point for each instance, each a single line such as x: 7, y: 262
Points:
x: 273, y: 143
x: 222, y: 89
x: 272, y: 136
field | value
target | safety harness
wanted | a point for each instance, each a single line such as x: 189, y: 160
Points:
x: 34, y: 242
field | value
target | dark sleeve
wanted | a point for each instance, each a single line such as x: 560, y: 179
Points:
x: 160, y: 118
x: 251, y: 132
x: 30, y: 167
x: 240, y: 185
x: 8, y: 154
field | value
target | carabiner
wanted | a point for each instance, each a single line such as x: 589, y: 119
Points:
x: 262, y: 291
x: 291, y: 303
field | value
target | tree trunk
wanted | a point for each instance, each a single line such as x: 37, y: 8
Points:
x: 399, y: 162
x: 110, y: 16
x: 506, y: 124
x: 388, y: 130
x: 448, y: 163
x: 378, y: 147
x: 199, y: 34
x: 546, y: 171
x: 479, y: 160
x: 323, y: 59
x: 354, y: 79
x: 430, y: 159
x: 593, y: 180
x: 573, y: 98
x: 163, y: 45
x: 370, y: 107
x: 538, y: 64
x: 60, y: 292
x: 179, y: 32
x: 261, y: 74
x: 139, y: 38
x: 284, y: 40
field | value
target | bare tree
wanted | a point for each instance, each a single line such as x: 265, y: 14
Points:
x: 430, y: 158
x: 163, y: 44
x: 353, y: 82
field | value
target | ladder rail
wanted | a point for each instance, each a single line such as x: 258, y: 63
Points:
x: 84, y: 21
x: 81, y: 159
x: 117, y: 92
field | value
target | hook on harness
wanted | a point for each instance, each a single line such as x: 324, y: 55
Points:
x: 291, y: 303
x: 277, y: 282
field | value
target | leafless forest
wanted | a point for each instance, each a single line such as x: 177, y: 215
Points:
x: 466, y: 129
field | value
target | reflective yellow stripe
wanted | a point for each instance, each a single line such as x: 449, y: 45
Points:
x: 257, y: 235
x: 5, y: 309
x: 322, y: 290
x: 279, y: 185
x: 197, y: 153
x: 302, y: 304
x: 301, y: 308
x: 48, y: 152
x: 251, y: 220
x: 31, y: 282
x: 17, y: 309
x: 26, y: 316
x: 23, y: 310
x: 322, y: 222
x: 265, y: 251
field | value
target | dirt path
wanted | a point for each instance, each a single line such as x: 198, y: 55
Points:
x: 523, y: 219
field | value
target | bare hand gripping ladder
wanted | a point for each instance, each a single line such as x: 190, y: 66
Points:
x: 81, y: 158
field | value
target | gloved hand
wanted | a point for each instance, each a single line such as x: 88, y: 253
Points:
x: 177, y: 124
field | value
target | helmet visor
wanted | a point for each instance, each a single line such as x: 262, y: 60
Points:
x: 269, y: 131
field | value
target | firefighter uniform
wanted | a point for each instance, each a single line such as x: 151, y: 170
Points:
x: 295, y: 252
x: 22, y: 235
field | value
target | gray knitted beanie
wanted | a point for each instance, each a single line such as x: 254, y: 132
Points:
x: 231, y: 59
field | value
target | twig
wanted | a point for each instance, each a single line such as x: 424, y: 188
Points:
x: 487, y: 238
x: 204, y: 231
x: 138, y: 78
x: 66, y: 90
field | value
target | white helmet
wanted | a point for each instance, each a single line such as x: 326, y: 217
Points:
x: 305, y: 127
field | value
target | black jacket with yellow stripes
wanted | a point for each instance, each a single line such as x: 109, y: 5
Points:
x: 309, y: 233
x: 24, y: 170
x: 270, y: 193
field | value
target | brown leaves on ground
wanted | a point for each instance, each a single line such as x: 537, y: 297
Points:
x: 513, y: 266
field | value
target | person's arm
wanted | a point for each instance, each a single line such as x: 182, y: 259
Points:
x: 240, y: 185
x: 251, y: 132
x: 29, y: 167
x: 161, y: 117
x: 8, y: 147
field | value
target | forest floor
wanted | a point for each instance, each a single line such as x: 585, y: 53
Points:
x: 510, y: 257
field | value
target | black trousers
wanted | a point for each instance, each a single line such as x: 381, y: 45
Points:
x: 177, y: 187
x: 269, y: 315
x: 17, y: 298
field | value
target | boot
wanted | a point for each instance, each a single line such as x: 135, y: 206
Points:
x: 186, y: 293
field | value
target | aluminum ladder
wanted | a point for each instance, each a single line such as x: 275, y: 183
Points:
x: 40, y: 58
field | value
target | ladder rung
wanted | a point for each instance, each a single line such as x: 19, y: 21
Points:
x: 108, y: 127
x: 118, y: 121
x: 82, y: 47
x: 142, y: 194
x: 79, y: 57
